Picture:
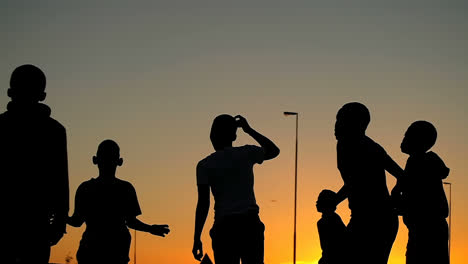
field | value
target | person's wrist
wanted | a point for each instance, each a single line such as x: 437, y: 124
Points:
x: 248, y: 130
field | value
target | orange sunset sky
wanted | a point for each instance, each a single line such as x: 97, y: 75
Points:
x: 152, y: 75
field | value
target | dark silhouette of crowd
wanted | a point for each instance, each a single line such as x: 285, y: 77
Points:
x: 35, y: 199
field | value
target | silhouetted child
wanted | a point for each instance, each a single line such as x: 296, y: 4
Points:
x: 362, y: 162
x: 425, y: 205
x: 34, y: 199
x: 331, y: 229
x: 108, y: 206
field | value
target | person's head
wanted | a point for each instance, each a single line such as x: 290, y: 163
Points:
x: 223, y: 131
x: 419, y: 138
x: 108, y: 157
x: 351, y: 121
x: 326, y: 202
x: 27, y: 84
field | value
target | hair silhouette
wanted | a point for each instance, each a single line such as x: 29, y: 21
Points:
x: 33, y: 164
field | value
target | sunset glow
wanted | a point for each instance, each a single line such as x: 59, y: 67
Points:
x: 152, y: 75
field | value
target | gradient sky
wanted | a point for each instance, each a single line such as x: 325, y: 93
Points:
x: 152, y: 75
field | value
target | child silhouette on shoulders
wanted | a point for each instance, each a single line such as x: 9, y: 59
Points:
x: 331, y: 229
x: 425, y: 206
x: 109, y: 206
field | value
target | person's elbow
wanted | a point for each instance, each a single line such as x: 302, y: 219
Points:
x: 272, y: 153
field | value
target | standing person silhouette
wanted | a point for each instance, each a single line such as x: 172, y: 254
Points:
x: 425, y: 205
x: 331, y: 229
x: 108, y: 206
x: 362, y: 163
x: 34, y: 169
x: 237, y: 233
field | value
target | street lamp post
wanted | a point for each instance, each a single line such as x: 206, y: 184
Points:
x: 134, y: 249
x: 450, y: 217
x: 295, y: 182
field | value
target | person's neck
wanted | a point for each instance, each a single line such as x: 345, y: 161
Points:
x: 328, y: 213
x: 106, y: 176
x: 223, y: 147
x: 417, y: 154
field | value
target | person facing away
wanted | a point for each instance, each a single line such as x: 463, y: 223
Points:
x: 331, y: 229
x: 362, y: 163
x: 424, y: 201
x: 34, y: 169
x: 108, y: 206
x: 237, y: 233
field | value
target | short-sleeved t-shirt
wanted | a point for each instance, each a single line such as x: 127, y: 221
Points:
x: 105, y: 206
x: 229, y: 173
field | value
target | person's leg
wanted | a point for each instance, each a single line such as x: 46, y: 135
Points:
x: 252, y: 244
x: 434, y: 239
x: 390, y: 230
x: 224, y: 242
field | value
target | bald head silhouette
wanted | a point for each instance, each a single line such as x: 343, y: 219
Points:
x: 27, y: 84
x: 352, y: 120
x: 419, y: 138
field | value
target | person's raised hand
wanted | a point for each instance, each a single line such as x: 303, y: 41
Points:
x: 242, y: 123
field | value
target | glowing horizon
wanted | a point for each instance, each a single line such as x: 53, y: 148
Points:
x: 153, y: 74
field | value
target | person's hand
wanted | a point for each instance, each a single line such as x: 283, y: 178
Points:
x: 396, y: 191
x: 197, y: 250
x: 57, y: 228
x: 242, y: 123
x: 55, y: 236
x: 160, y: 230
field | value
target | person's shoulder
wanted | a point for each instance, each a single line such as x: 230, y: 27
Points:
x: 123, y: 183
x: 86, y: 185
x: 371, y: 144
x: 247, y: 148
x: 56, y: 125
x: 205, y: 161
x: 436, y: 164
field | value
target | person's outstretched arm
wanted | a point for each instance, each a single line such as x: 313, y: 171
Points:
x: 157, y: 230
x: 203, y: 205
x: 342, y: 194
x: 392, y: 167
x: 271, y: 150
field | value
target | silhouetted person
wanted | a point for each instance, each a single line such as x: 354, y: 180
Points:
x: 424, y: 202
x: 331, y: 229
x: 362, y: 163
x: 33, y: 167
x: 237, y: 233
x: 108, y: 206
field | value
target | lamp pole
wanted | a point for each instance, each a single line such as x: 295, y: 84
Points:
x: 295, y: 182
x: 450, y: 217
x: 134, y: 249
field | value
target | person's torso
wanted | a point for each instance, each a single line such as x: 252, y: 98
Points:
x: 367, y: 183
x: 28, y: 158
x: 231, y: 179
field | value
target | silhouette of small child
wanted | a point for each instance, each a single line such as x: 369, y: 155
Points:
x: 109, y: 206
x: 425, y: 206
x: 331, y: 229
